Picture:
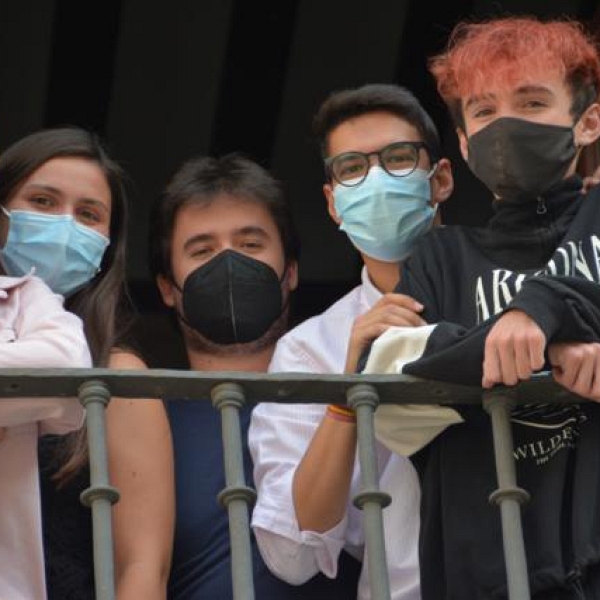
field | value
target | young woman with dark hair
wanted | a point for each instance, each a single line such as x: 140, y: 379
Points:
x: 66, y: 197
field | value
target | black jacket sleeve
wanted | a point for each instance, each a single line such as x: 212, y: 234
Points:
x: 567, y: 309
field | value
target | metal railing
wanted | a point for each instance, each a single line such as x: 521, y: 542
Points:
x: 229, y: 391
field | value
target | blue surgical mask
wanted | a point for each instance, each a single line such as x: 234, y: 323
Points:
x: 65, y: 254
x: 384, y: 215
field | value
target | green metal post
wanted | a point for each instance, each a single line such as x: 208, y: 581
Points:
x: 237, y: 497
x: 100, y: 496
x: 364, y: 399
x: 508, y: 497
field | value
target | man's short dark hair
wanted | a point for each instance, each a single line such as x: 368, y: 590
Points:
x: 199, y: 181
x: 380, y: 97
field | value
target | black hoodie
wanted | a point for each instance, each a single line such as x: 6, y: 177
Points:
x: 542, y: 257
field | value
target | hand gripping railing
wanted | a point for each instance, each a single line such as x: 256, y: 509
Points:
x: 231, y: 390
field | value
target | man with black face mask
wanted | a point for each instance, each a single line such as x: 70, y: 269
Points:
x: 224, y: 253
x: 505, y: 301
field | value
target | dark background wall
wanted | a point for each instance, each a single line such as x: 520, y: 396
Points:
x: 162, y: 82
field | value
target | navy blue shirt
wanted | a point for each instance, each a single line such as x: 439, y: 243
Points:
x: 201, y: 566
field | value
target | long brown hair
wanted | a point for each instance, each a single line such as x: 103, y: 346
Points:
x: 103, y: 303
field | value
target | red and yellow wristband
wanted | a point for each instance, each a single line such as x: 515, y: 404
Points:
x: 341, y: 413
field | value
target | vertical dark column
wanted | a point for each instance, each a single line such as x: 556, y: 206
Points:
x: 25, y: 48
x: 81, y: 67
x: 253, y: 77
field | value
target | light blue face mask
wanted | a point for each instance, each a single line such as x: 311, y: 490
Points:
x: 384, y: 215
x: 65, y: 254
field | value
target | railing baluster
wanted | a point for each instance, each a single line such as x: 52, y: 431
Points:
x: 100, y: 496
x: 508, y: 497
x: 364, y: 399
x: 237, y: 497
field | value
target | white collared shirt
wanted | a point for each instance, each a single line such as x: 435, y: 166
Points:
x: 278, y: 438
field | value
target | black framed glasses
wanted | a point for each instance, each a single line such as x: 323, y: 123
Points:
x: 398, y: 160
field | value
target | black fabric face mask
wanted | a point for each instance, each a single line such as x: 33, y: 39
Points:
x: 519, y: 159
x: 232, y: 299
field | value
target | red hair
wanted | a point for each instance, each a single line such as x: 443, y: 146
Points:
x: 502, y: 51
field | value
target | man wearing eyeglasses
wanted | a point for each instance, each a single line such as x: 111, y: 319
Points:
x: 385, y: 178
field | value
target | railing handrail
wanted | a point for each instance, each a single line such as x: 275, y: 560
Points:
x: 263, y: 387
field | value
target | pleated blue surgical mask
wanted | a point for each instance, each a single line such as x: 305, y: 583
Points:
x: 65, y: 254
x: 385, y: 215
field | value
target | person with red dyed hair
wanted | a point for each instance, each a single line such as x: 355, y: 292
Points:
x: 505, y: 301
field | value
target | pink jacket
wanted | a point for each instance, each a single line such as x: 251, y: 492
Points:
x: 35, y: 331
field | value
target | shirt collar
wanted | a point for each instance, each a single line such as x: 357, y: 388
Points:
x: 371, y: 293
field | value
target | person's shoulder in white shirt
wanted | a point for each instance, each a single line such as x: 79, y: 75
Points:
x: 319, y: 344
